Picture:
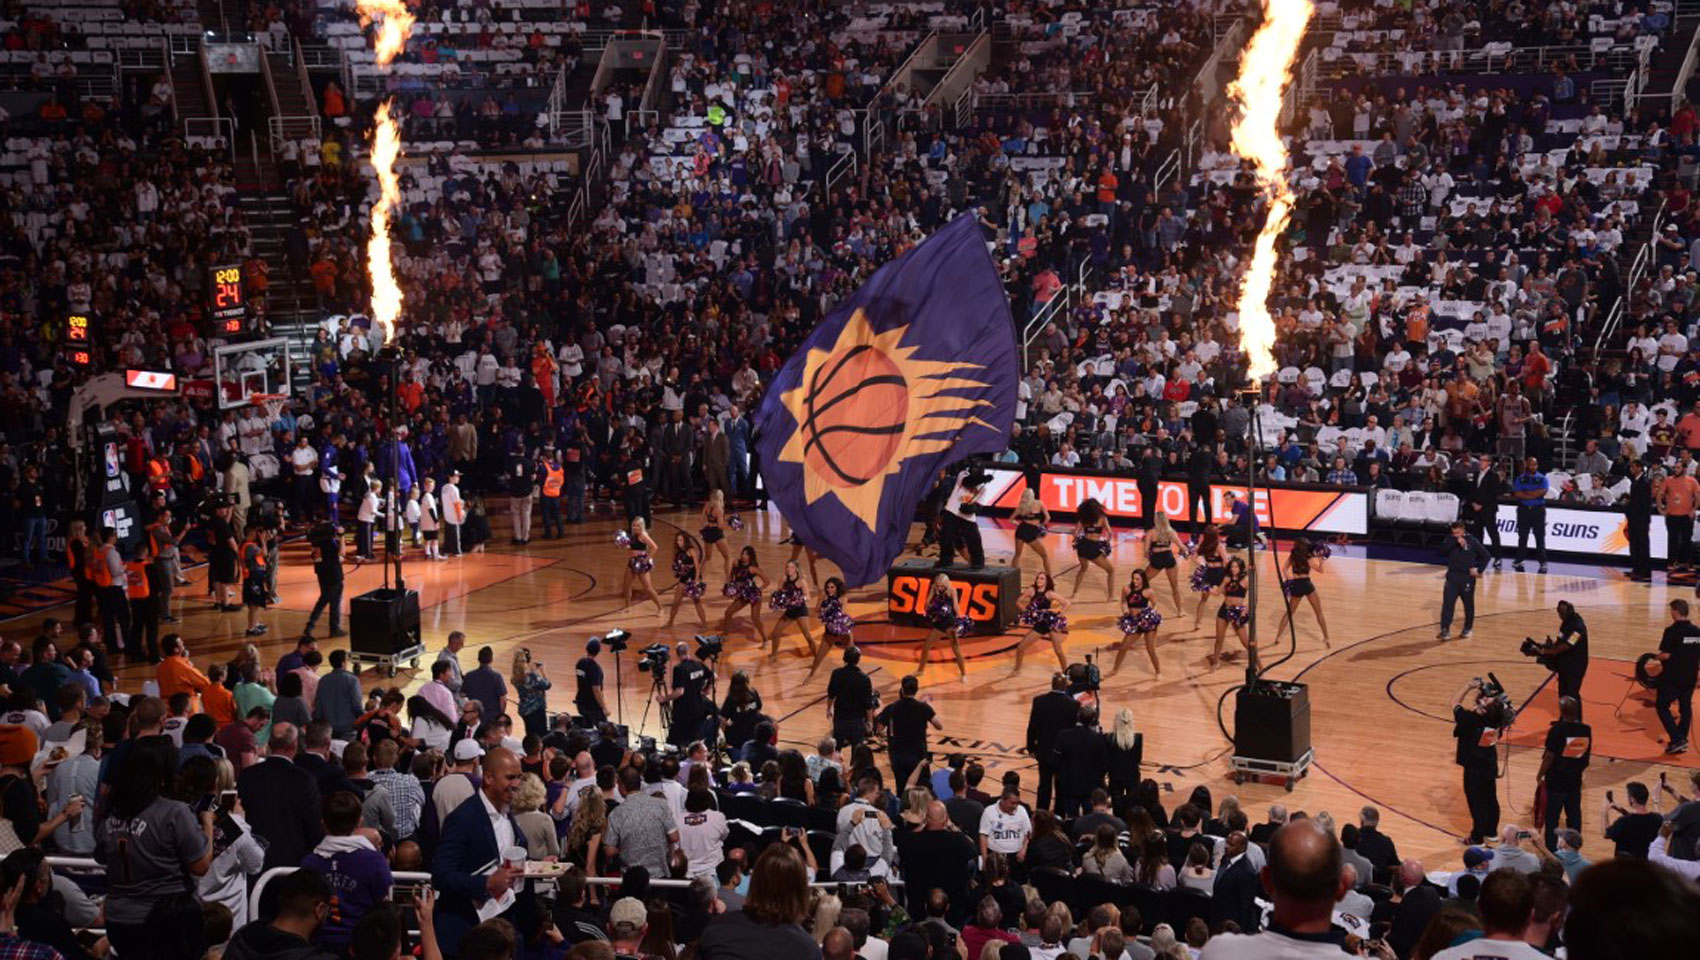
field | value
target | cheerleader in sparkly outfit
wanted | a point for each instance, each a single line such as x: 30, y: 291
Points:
x: 744, y: 588
x: 1299, y: 585
x: 1160, y: 555
x: 1233, y: 612
x: 1092, y: 545
x: 642, y: 561
x: 944, y: 620
x: 1139, y: 619
x: 1042, y: 614
x: 687, y: 569
x: 791, y: 600
x: 1208, y: 566
x: 713, y: 530
x: 1030, y: 520
x: 834, y: 621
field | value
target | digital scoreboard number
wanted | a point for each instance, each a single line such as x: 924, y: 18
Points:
x: 79, y: 334
x: 228, y: 304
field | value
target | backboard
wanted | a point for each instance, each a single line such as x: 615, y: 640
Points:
x: 241, y: 370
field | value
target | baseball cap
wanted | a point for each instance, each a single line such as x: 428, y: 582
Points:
x: 17, y: 744
x: 468, y: 749
x: 1475, y: 857
x: 627, y: 916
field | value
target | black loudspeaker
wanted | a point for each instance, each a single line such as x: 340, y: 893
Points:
x: 1272, y: 722
x: 383, y: 622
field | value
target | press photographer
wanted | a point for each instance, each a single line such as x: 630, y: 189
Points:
x: 1566, y: 655
x: 691, y: 706
x: 1478, y: 729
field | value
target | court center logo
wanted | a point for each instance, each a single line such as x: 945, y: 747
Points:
x: 866, y: 406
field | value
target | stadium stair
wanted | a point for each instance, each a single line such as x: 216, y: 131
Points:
x: 290, y: 305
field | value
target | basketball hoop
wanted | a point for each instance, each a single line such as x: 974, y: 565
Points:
x: 273, y: 402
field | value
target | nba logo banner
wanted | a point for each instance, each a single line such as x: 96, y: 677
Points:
x: 914, y: 370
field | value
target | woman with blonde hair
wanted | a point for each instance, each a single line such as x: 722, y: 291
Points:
x: 828, y: 908
x: 1160, y: 557
x: 713, y: 532
x: 590, y: 822
x: 1030, y: 519
x: 531, y: 686
x: 642, y: 561
x: 915, y: 801
x: 1126, y: 748
x: 536, y: 827
x: 944, y: 619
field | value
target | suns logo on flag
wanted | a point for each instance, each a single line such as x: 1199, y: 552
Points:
x: 868, y: 404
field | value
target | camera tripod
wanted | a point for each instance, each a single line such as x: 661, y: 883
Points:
x: 657, y: 696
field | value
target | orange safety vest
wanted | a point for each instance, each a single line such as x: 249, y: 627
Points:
x: 98, y: 571
x: 159, y: 474
x: 136, y: 580
x: 553, y: 478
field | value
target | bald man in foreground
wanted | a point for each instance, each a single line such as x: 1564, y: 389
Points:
x: 1305, y: 879
x: 471, y: 870
x: 838, y: 944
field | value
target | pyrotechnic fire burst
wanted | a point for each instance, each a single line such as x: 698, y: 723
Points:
x: 1265, y: 70
x: 386, y: 147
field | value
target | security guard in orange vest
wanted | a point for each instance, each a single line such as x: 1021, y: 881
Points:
x: 159, y: 474
x: 144, y: 609
x: 554, y: 482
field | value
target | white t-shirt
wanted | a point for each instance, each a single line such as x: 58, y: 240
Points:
x: 1508, y: 949
x: 1005, y: 832
x: 1268, y: 946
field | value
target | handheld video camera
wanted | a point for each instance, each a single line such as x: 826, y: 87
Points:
x: 653, y: 659
x: 1500, y: 711
x: 1536, y: 650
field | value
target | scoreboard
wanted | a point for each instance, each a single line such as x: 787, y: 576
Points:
x: 227, y: 301
x: 79, y: 337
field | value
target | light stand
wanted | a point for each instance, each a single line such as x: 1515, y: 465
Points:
x: 616, y: 641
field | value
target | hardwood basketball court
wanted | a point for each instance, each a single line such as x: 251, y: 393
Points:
x: 1381, y: 697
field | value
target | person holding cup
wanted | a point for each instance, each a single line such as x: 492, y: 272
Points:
x: 479, y: 869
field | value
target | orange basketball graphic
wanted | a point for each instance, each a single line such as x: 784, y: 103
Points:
x: 855, y: 407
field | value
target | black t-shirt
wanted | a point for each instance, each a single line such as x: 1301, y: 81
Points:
x: 220, y: 532
x: 734, y: 936
x: 607, y: 753
x: 520, y: 480
x: 1571, y: 744
x: 1634, y: 833
x: 1682, y: 641
x: 690, y: 676
x: 851, y: 693
x: 327, y: 566
x: 1575, y: 659
x: 589, y: 674
x: 741, y: 718
x: 906, y: 719
x: 1476, y: 740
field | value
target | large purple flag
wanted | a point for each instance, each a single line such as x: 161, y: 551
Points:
x: 915, y: 370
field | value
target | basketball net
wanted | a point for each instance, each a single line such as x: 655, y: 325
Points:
x: 272, y: 402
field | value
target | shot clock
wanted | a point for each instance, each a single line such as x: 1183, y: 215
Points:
x: 228, y: 303
x: 79, y: 334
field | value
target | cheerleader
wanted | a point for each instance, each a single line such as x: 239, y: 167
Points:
x: 1160, y: 555
x: 943, y: 620
x: 744, y: 588
x: 1030, y: 520
x: 791, y: 600
x: 686, y: 563
x: 1042, y: 614
x: 430, y: 519
x: 1208, y: 566
x: 1232, y: 612
x: 835, y: 623
x: 642, y: 561
x: 1092, y: 546
x: 1299, y: 586
x: 713, y: 532
x: 1139, y: 619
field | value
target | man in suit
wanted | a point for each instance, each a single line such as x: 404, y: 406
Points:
x: 282, y: 800
x: 1638, y: 522
x: 1237, y: 887
x: 315, y: 758
x: 716, y: 456
x: 1373, y: 845
x: 1481, y: 505
x: 469, y: 871
x: 1081, y: 758
x: 1052, y: 713
x: 675, y: 451
x: 738, y: 448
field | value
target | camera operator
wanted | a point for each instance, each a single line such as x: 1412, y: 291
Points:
x: 588, y: 672
x: 1569, y: 748
x: 849, y: 700
x: 1679, y: 653
x: 691, y: 706
x: 1567, y: 655
x: 1478, y: 729
x: 956, y: 521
